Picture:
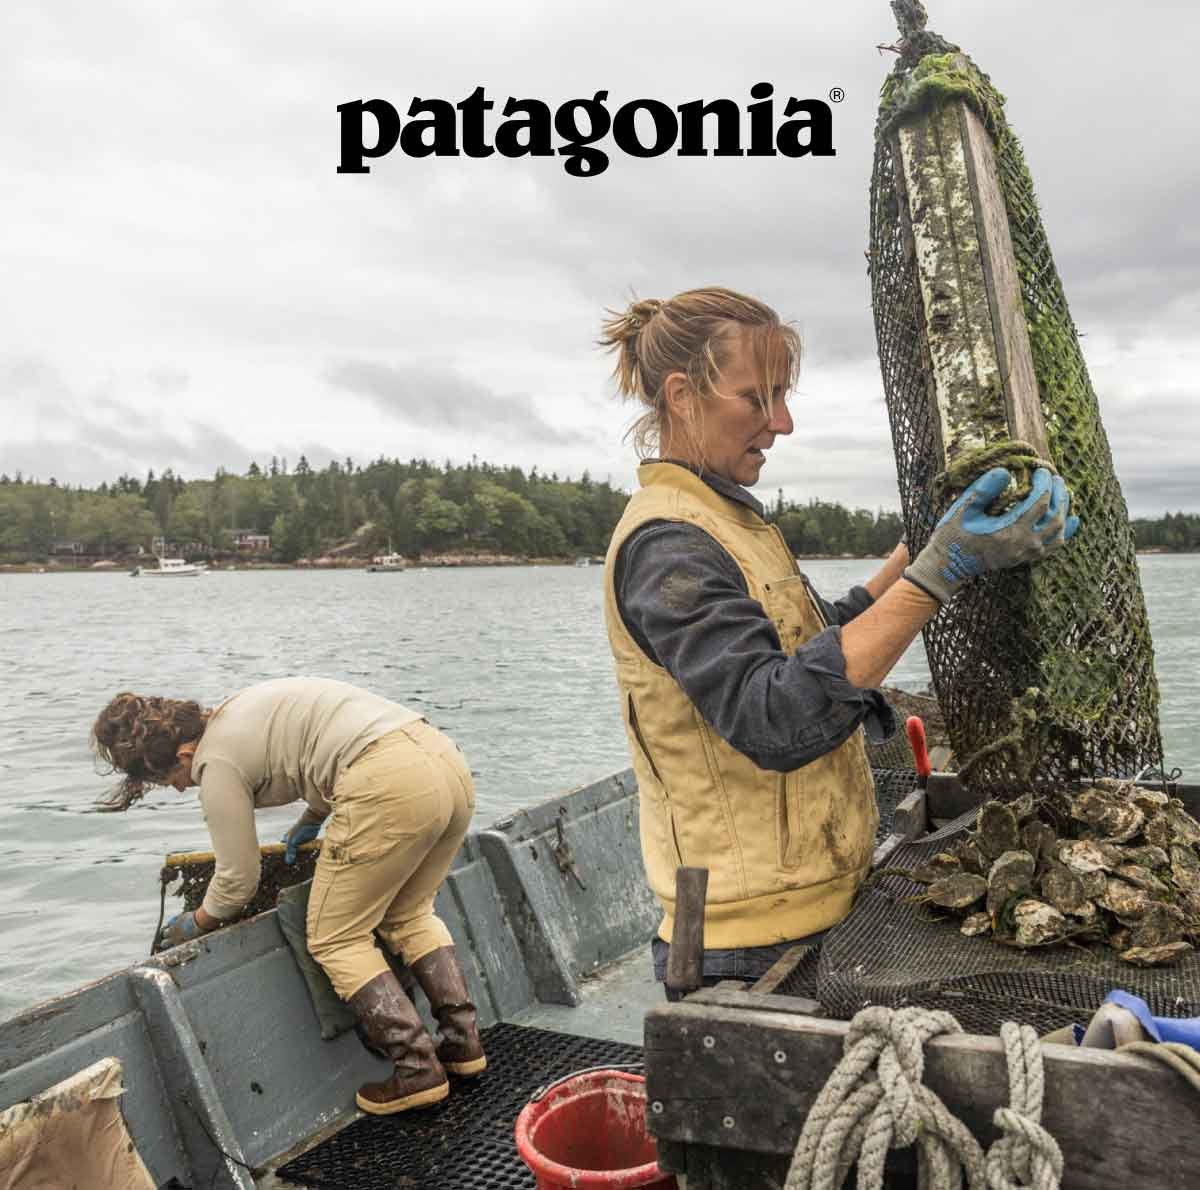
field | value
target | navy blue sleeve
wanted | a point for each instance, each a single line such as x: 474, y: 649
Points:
x: 842, y: 611
x: 686, y: 603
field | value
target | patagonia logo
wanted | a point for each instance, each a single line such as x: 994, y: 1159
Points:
x: 372, y: 128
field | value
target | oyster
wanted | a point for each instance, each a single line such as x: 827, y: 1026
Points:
x: 1148, y: 800
x: 1173, y: 824
x: 1189, y: 903
x: 1161, y: 925
x: 1108, y: 814
x: 1083, y: 855
x: 1185, y: 828
x: 1142, y: 878
x: 1185, y: 868
x: 1126, y: 902
x: 1157, y: 830
x: 1038, y: 924
x: 997, y: 830
x: 1038, y: 838
x: 1120, y: 938
x: 972, y: 858
x: 1148, y: 856
x: 1011, y: 875
x: 1155, y: 955
x: 957, y: 891
x: 942, y: 864
x: 1093, y: 883
x: 1087, y: 913
x: 1023, y: 807
x: 976, y: 924
x: 1063, y: 889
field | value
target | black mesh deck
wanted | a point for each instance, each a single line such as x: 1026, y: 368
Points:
x: 465, y: 1143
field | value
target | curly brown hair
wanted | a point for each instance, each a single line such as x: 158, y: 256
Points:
x: 139, y: 736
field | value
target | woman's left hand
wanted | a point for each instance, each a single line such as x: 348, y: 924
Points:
x: 182, y: 928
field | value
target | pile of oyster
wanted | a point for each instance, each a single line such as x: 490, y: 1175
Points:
x: 1113, y: 863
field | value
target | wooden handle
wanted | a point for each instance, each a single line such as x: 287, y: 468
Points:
x: 916, y: 738
x: 177, y: 859
x: 685, y: 963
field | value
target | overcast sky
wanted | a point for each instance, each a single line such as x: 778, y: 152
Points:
x: 188, y: 282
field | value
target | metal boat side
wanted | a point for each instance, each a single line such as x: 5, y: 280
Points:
x: 224, y: 1066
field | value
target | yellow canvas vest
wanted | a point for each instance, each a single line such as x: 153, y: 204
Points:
x: 785, y: 852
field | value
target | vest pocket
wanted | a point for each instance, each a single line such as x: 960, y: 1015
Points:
x: 791, y: 608
x: 656, y: 806
x: 791, y: 829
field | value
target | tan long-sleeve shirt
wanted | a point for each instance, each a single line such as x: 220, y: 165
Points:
x: 277, y: 742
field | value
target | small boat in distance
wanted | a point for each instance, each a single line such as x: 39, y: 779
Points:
x: 168, y: 567
x: 388, y: 561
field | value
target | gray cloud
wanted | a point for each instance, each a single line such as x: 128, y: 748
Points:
x: 219, y: 262
x: 420, y: 395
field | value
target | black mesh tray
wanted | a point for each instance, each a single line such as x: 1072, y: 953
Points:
x: 465, y: 1143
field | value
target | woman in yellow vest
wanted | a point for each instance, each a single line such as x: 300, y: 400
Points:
x: 398, y: 797
x: 745, y: 694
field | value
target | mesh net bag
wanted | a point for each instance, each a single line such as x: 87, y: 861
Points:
x: 1043, y: 673
x: 185, y: 874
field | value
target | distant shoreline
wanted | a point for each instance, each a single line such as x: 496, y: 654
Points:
x: 433, y: 562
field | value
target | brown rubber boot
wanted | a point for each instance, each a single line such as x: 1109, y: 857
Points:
x: 441, y: 979
x: 394, y: 1028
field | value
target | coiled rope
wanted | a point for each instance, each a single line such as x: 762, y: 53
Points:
x: 875, y: 1100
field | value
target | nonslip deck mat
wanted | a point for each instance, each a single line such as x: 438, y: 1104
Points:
x: 465, y: 1143
x: 892, y: 786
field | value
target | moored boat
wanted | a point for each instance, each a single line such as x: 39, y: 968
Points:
x: 169, y: 568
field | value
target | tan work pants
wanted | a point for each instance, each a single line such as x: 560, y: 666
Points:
x: 400, y: 813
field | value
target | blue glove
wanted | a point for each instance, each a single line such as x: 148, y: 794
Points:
x: 1185, y: 1030
x: 302, y: 832
x: 181, y: 928
x: 968, y: 541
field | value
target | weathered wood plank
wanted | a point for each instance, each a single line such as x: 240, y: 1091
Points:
x: 911, y: 819
x: 984, y: 385
x: 741, y: 999
x: 782, y: 968
x: 958, y: 323
x: 1013, y: 355
x: 685, y: 961
x: 744, y: 1080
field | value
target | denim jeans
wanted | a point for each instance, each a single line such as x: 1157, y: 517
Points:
x: 747, y: 963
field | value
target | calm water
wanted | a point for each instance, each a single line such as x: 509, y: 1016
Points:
x: 512, y: 662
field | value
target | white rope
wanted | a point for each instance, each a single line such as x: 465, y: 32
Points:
x: 875, y: 1100
x: 1026, y: 1157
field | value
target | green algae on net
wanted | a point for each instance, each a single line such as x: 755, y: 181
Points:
x: 1073, y: 628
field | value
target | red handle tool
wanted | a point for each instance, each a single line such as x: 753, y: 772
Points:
x: 915, y: 730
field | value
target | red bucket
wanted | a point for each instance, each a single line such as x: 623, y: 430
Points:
x: 588, y: 1132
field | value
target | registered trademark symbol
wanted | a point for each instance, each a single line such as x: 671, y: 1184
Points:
x: 837, y: 95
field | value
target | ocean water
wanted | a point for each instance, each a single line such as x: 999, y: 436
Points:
x: 512, y: 662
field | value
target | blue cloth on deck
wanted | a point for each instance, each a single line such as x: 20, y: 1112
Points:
x: 1185, y: 1030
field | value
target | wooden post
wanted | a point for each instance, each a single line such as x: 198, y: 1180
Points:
x: 955, y: 224
x: 685, y: 963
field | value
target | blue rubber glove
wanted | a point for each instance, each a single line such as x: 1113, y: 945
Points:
x: 1185, y: 1030
x: 302, y: 832
x: 183, y: 927
x: 968, y: 541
